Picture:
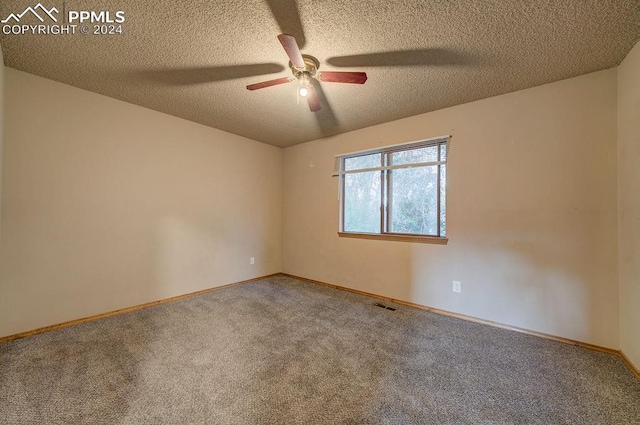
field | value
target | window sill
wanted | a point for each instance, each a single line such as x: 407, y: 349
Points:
x: 396, y: 237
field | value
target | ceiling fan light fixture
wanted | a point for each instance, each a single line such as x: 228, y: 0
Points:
x: 303, y: 91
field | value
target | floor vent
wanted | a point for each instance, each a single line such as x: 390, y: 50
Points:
x: 385, y: 306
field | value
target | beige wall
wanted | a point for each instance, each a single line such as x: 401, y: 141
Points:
x: 1, y: 129
x: 629, y: 203
x: 108, y: 205
x: 532, y: 216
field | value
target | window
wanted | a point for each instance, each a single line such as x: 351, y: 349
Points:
x: 397, y: 192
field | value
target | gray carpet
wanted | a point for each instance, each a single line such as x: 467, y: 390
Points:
x: 281, y: 351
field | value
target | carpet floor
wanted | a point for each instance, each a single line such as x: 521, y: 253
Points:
x: 282, y: 351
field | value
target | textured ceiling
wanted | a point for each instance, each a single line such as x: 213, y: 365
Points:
x: 176, y: 57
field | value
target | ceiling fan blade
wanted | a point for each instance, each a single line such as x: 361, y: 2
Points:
x: 287, y: 16
x: 291, y: 47
x: 436, y: 56
x: 269, y: 83
x: 312, y: 98
x: 343, y: 77
x: 326, y: 118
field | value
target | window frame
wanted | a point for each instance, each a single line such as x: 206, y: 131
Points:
x: 386, y: 192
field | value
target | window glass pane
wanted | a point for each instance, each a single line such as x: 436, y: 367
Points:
x: 443, y: 151
x: 426, y: 154
x: 362, y: 202
x: 443, y: 199
x: 414, y: 195
x: 364, y: 161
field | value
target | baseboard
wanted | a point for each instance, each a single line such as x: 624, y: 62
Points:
x: 634, y: 370
x: 586, y: 345
x: 125, y: 310
x: 630, y: 365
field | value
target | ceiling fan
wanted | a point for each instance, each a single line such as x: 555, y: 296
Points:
x: 305, y: 69
x: 287, y: 16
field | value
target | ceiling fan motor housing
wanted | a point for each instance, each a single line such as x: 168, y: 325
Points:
x: 309, y: 71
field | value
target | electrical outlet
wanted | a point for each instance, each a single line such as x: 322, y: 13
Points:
x: 457, y: 286
x: 252, y: 260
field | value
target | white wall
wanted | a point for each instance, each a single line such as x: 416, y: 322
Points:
x: 108, y: 205
x: 532, y: 216
x: 629, y: 203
